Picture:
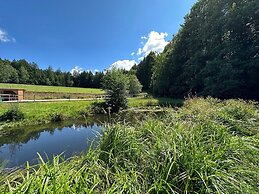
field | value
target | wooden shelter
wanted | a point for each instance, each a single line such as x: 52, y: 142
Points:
x: 10, y: 94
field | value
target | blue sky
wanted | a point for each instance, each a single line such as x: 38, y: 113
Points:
x: 90, y: 34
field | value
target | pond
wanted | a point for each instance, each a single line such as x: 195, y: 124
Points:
x: 69, y: 138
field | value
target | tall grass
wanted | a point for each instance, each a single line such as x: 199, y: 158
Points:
x: 207, y: 146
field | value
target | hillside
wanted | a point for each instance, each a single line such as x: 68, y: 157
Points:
x: 54, y: 89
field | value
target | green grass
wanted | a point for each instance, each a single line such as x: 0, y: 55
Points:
x: 206, y: 146
x: 43, y: 112
x: 145, y: 102
x: 56, y: 89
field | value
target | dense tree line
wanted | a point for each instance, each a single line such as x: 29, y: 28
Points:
x: 23, y: 72
x: 214, y: 53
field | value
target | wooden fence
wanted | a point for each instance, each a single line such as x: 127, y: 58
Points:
x: 9, y: 97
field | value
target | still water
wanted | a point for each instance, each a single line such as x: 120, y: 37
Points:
x: 69, y: 138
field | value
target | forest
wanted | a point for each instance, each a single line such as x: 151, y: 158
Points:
x: 215, y: 53
x: 23, y: 72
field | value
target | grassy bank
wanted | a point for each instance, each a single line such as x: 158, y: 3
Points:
x: 206, y: 146
x: 54, y: 89
x: 44, y: 112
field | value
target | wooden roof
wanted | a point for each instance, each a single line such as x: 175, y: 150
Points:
x: 11, y: 89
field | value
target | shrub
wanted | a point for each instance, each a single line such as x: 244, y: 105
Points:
x: 98, y: 108
x: 57, y: 117
x: 116, y: 84
x: 13, y: 114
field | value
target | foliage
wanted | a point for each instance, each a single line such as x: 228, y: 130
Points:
x: 24, y: 72
x: 188, y: 150
x: 145, y: 70
x: 116, y: 84
x: 8, y: 73
x: 98, y: 108
x: 12, y: 114
x: 215, y: 53
x: 134, y: 85
x: 56, y: 117
x: 146, y: 102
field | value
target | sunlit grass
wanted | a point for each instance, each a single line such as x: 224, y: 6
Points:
x: 56, y: 89
x: 150, y: 101
x: 40, y: 112
x: 207, y: 146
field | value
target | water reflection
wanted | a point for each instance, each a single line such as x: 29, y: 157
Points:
x: 22, y: 144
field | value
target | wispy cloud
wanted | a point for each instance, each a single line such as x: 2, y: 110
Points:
x: 4, y: 37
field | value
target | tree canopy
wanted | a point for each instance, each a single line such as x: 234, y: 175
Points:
x: 21, y: 71
x: 215, y: 53
x: 116, y: 84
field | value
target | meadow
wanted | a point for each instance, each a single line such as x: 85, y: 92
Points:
x: 54, y: 89
x: 205, y: 146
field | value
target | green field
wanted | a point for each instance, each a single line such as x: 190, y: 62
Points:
x: 56, y: 89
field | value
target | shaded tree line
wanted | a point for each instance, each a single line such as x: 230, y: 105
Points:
x: 23, y: 72
x: 215, y: 53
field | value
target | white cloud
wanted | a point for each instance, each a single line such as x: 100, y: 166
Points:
x: 123, y: 64
x: 140, y: 58
x: 155, y: 42
x: 139, y: 51
x: 4, y: 37
x: 76, y: 70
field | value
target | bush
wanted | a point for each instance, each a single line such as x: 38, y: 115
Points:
x: 116, y: 84
x: 13, y: 114
x: 57, y: 117
x: 98, y: 108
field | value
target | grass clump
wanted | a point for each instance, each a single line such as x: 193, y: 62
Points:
x: 192, y: 149
x: 12, y: 114
x: 57, y: 117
